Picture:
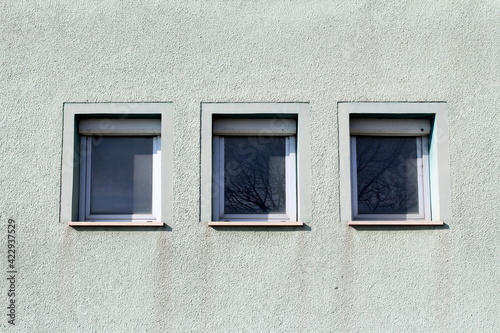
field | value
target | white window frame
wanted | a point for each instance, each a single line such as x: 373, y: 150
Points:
x: 108, y: 119
x: 251, y: 112
x: 414, y: 128
x: 290, y: 183
x: 86, y: 176
x: 438, y: 184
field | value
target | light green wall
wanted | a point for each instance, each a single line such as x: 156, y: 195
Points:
x: 189, y: 277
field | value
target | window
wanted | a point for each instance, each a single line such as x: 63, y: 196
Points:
x: 389, y: 169
x: 256, y: 154
x: 113, y: 164
x: 394, y: 163
x: 254, y: 173
x: 119, y: 170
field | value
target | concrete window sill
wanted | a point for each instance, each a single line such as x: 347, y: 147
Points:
x: 416, y: 223
x: 253, y: 224
x: 116, y: 224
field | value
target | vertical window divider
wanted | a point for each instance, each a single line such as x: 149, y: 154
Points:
x: 84, y: 174
x: 221, y: 175
x: 156, y: 206
x: 291, y: 178
x: 354, y: 177
x: 426, y: 177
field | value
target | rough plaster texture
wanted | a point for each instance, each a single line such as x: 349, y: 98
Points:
x: 188, y: 277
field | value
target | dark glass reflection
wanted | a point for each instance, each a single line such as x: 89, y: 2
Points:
x: 121, y: 175
x: 387, y: 175
x: 254, y: 175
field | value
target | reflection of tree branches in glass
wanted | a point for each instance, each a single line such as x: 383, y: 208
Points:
x: 387, y: 176
x: 254, y: 175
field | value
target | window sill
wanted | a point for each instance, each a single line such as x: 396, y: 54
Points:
x: 116, y: 224
x: 354, y: 223
x: 253, y: 224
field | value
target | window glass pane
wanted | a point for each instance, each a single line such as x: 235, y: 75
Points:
x: 254, y: 175
x: 387, y: 175
x: 121, y: 175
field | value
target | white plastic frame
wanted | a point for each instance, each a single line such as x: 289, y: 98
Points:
x: 85, y: 189
x: 290, y: 179
x: 422, y: 163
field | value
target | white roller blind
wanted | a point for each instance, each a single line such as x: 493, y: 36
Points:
x: 390, y: 127
x: 120, y: 126
x: 273, y: 126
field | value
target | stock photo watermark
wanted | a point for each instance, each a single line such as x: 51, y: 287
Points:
x: 11, y: 271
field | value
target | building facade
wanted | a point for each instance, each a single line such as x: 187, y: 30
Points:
x: 317, y: 78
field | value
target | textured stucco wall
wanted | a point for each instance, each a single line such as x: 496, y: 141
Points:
x: 188, y: 277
